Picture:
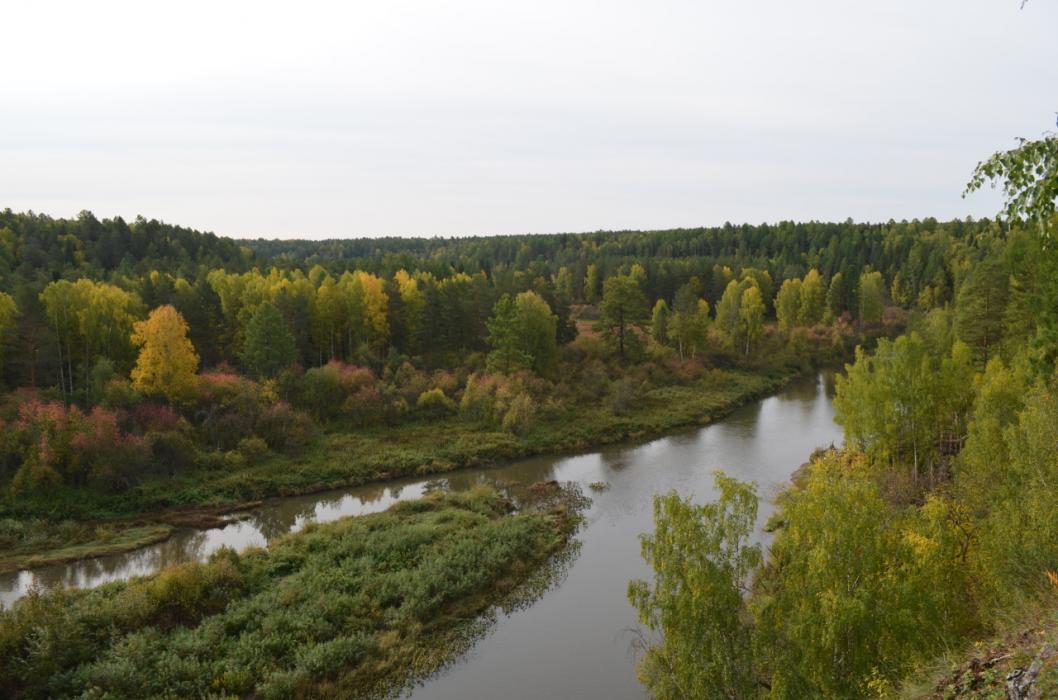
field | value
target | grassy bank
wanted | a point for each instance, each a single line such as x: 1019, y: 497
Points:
x: 351, y: 608
x: 39, y: 543
x: 345, y: 456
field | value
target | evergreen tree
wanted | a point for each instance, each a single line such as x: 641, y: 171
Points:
x: 623, y: 307
x: 268, y: 345
x: 871, y: 297
x: 507, y: 354
x: 979, y: 308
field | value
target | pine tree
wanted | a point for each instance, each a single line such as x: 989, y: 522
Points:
x: 623, y: 307
x: 507, y: 354
x: 979, y: 308
x: 268, y: 345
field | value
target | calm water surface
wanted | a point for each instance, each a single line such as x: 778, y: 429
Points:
x: 572, y: 642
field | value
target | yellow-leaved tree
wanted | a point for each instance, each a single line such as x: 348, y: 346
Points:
x: 168, y: 361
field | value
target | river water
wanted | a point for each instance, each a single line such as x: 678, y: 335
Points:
x: 572, y: 642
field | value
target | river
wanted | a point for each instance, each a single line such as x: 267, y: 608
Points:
x: 573, y: 642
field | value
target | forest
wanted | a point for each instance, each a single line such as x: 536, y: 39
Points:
x: 154, y: 374
x: 922, y: 559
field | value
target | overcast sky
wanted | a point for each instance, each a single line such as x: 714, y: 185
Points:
x: 458, y: 117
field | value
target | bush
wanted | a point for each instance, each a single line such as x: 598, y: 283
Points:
x: 154, y: 417
x: 520, y: 416
x: 365, y: 406
x: 234, y: 460
x: 171, y: 451
x: 118, y: 393
x: 478, y: 402
x: 253, y: 448
x: 284, y: 428
x: 624, y: 393
x: 434, y: 403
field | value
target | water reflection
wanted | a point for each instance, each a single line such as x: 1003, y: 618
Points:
x: 763, y: 441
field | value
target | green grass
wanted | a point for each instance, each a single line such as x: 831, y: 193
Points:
x: 347, y: 609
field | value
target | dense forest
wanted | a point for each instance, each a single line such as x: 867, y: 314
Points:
x: 147, y: 368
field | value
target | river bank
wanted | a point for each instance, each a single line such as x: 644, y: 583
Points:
x: 575, y: 632
x: 98, y: 524
x: 278, y: 623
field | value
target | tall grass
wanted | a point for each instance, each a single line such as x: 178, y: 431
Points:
x: 343, y: 609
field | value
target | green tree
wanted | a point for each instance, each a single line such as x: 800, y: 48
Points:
x: 268, y: 345
x: 91, y: 320
x: 813, y: 299
x: 856, y: 591
x: 592, y: 284
x: 506, y: 355
x: 788, y: 304
x: 980, y: 308
x: 1019, y: 538
x: 837, y: 303
x: 688, y: 327
x: 727, y: 312
x: 984, y: 461
x: 659, y: 322
x: 751, y: 319
x: 871, y: 297
x: 522, y: 335
x: 1029, y: 177
x: 8, y: 316
x: 536, y: 328
x: 900, y: 404
x: 623, y: 308
x: 564, y: 284
x: 698, y: 640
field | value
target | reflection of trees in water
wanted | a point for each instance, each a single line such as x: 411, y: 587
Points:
x: 370, y: 494
x: 744, y: 422
x: 803, y: 390
x: 830, y: 381
x: 87, y: 573
x: 279, y: 518
x: 615, y: 459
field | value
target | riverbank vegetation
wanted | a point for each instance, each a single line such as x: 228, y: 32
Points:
x: 358, y: 607
x: 151, y: 368
x: 932, y: 529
